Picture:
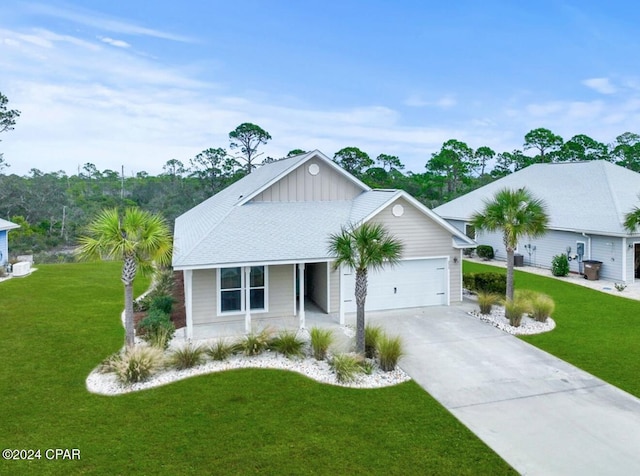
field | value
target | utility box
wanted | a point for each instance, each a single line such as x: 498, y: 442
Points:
x: 518, y: 260
x: 592, y: 269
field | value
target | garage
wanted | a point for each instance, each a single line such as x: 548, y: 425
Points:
x: 411, y: 283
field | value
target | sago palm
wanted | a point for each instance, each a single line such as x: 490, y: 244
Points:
x: 369, y: 246
x: 516, y: 213
x: 139, y: 238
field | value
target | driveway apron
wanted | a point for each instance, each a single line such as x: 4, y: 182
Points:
x: 541, y: 414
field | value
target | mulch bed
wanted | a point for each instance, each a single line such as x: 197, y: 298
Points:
x: 178, y: 313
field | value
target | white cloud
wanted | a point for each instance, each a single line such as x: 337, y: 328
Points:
x: 445, y: 102
x: 112, y: 42
x: 601, y: 85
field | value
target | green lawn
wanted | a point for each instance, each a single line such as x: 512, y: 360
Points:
x: 598, y: 332
x: 58, y: 323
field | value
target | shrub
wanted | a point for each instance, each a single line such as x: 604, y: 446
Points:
x: 157, y: 328
x: 485, y: 252
x: 108, y: 365
x: 367, y: 366
x: 513, y: 310
x: 526, y: 298
x: 137, y: 364
x: 163, y: 302
x: 254, y: 344
x: 221, y: 349
x: 620, y: 286
x: 389, y: 352
x: 542, y: 306
x: 560, y: 265
x: 321, y: 340
x: 187, y: 357
x: 486, y: 301
x: 288, y: 344
x: 491, y: 283
x: 345, y: 366
x: 469, y: 281
x: 468, y: 252
x: 371, y: 336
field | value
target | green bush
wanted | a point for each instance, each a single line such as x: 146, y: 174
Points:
x: 346, y: 366
x: 221, y: 349
x: 490, y: 283
x: 560, y: 265
x: 468, y: 252
x: 542, y: 306
x: 485, y: 252
x: 321, y: 340
x: 390, y: 350
x: 469, y: 281
x: 371, y: 336
x: 187, y: 357
x: 137, y: 364
x: 255, y: 344
x: 157, y: 329
x: 288, y: 344
x: 163, y: 302
x: 486, y: 301
x: 514, y: 310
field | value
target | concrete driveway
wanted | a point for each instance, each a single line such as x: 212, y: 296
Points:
x: 542, y: 415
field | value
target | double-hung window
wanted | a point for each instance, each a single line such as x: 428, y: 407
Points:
x: 233, y: 286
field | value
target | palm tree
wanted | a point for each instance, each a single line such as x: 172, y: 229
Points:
x: 517, y: 213
x: 369, y: 246
x: 632, y: 220
x: 139, y: 238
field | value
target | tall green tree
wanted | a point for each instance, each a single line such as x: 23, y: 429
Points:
x: 353, y: 160
x: 545, y: 142
x: 139, y: 238
x: 369, y: 246
x: 483, y: 155
x: 582, y: 147
x: 213, y: 167
x: 626, y: 151
x: 389, y: 162
x: 247, y: 138
x: 8, y: 119
x: 454, y: 162
x: 516, y: 213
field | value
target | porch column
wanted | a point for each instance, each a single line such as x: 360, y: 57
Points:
x: 301, y: 287
x: 247, y: 299
x: 188, y: 305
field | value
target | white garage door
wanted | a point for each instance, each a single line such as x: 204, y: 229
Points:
x: 411, y: 283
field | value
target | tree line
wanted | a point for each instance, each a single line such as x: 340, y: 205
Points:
x: 54, y: 207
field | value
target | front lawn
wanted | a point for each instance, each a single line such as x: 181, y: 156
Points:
x: 598, y: 332
x: 63, y: 320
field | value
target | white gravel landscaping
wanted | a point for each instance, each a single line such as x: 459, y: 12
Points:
x: 107, y: 384
x: 528, y: 326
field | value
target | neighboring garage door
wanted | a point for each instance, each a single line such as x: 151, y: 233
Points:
x: 411, y: 283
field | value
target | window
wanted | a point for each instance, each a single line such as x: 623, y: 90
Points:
x: 233, y: 285
x: 470, y: 231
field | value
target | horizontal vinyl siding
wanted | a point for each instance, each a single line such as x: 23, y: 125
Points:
x: 300, y: 185
x: 422, y: 238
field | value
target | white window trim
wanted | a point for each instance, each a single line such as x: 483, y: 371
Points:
x: 243, y: 288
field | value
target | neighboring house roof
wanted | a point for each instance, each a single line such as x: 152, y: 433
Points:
x: 589, y: 197
x: 229, y: 228
x: 7, y: 225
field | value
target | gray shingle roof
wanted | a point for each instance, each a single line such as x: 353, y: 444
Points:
x: 7, y: 225
x: 228, y: 229
x: 581, y: 196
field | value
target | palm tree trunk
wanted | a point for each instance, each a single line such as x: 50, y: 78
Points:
x: 361, y: 296
x: 510, y: 254
x: 128, y: 315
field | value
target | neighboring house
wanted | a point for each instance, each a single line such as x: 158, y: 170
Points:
x: 586, y: 202
x: 254, y: 249
x: 5, y: 226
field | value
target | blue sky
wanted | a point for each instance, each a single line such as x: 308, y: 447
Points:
x: 137, y: 83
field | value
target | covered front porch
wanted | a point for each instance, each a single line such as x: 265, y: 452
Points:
x: 240, y: 299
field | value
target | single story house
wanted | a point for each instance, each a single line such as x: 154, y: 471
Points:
x: 5, y: 226
x: 258, y: 248
x: 586, y: 202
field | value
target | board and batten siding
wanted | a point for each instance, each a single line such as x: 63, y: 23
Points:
x: 334, y: 289
x: 204, y: 300
x: 422, y: 238
x: 301, y: 186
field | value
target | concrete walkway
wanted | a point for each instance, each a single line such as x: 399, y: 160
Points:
x: 542, y: 415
